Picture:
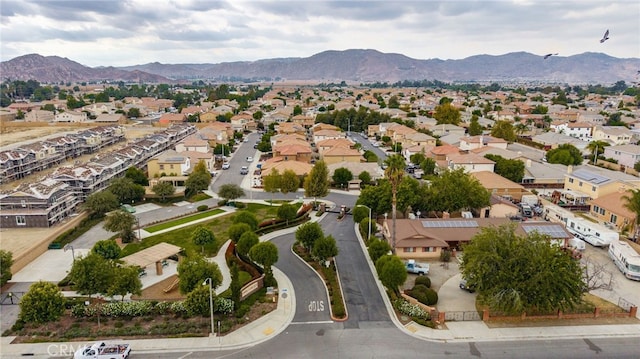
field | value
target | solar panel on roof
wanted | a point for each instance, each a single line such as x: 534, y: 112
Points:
x: 553, y: 231
x: 449, y: 224
x: 590, y: 177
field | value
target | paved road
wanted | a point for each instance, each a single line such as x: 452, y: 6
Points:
x: 312, y: 303
x: 365, y: 305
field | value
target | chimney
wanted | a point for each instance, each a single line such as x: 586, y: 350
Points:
x: 569, y: 169
x: 528, y: 163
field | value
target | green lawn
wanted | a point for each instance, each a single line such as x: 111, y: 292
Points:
x: 183, y: 220
x: 182, y: 236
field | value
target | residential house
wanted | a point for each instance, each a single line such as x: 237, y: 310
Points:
x: 446, y: 129
x: 325, y: 145
x: 341, y: 154
x: 587, y: 182
x: 356, y: 168
x: 242, y: 122
x: 422, y: 239
x: 471, y: 162
x: 111, y: 118
x: 195, y: 143
x: 611, y: 210
x: 500, y: 186
x: 291, y: 128
x: 278, y: 163
x: 71, y: 116
x: 171, y: 118
x: 40, y: 204
x: 39, y: 116
x: 475, y: 142
x: 626, y: 155
x: 169, y: 163
x: 295, y: 151
x: 216, y: 133
x: 84, y: 179
x: 615, y: 135
x: 327, y: 134
x: 499, y: 207
x: 16, y: 164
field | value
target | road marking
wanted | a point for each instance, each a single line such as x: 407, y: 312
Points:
x: 315, y: 322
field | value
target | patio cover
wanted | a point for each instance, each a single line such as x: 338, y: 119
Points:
x: 152, y: 255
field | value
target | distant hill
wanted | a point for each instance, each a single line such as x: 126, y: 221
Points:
x: 349, y: 65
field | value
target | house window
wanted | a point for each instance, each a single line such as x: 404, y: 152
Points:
x: 613, y: 218
x: 409, y: 249
x: 579, y: 184
x: 570, y: 180
x: 428, y: 249
x: 161, y: 167
x: 23, y: 203
x: 171, y: 166
x: 601, y: 211
x: 21, y: 221
x: 593, y: 188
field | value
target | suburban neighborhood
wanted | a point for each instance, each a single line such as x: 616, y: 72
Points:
x: 362, y: 177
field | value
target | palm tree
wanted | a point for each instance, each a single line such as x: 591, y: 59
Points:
x: 597, y: 146
x: 632, y: 203
x: 394, y: 173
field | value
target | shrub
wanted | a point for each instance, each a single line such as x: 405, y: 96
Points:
x: 222, y: 202
x: 202, y: 208
x: 412, y: 310
x: 445, y: 255
x: 241, y: 205
x: 423, y: 280
x: 424, y: 294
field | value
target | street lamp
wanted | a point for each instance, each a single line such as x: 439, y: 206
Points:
x: 73, y: 253
x: 209, y: 281
x: 369, y: 208
x: 138, y: 224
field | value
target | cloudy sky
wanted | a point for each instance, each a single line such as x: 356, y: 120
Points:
x: 130, y: 32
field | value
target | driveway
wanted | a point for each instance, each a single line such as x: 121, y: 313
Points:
x: 453, y: 299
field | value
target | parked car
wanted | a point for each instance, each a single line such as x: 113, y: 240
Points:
x: 226, y: 166
x: 244, y: 170
x: 468, y: 288
x: 249, y: 159
x: 128, y: 208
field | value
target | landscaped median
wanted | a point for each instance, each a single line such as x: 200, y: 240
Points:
x: 183, y: 220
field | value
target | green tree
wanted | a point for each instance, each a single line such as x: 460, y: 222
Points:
x: 540, y: 110
x: 237, y: 230
x: 202, y: 236
x: 566, y: 154
x: 504, y: 130
x: 417, y: 158
x: 137, y: 176
x: 99, y: 203
x: 394, y: 174
x: 133, y: 112
x: 597, y: 148
x: 246, y: 241
x: 235, y: 286
x: 6, y: 261
x: 198, y: 180
x: 91, y: 274
x: 43, y: 303
x: 365, y: 178
x: 359, y: 213
x: 447, y: 114
x: 297, y: 110
x: 198, y: 301
x: 370, y: 156
x: 428, y: 166
x: 325, y: 248
x: 246, y: 217
x: 122, y: 223
x: 631, y: 201
x: 230, y: 191
x: 271, y: 182
x: 287, y: 212
x: 107, y: 249
x: 377, y: 249
x: 456, y: 190
x: 392, y: 273
x: 364, y: 227
x: 341, y: 177
x: 475, y: 128
x: 194, y: 270
x: 289, y: 182
x: 266, y: 255
x: 163, y: 189
x: 514, y: 274
x: 510, y: 169
x: 125, y: 280
x: 308, y: 233
x: 316, y: 183
x: 126, y: 190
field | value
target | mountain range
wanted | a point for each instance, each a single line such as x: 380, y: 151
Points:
x: 355, y: 66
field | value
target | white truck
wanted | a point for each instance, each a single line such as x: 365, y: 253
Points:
x: 102, y: 350
x: 417, y: 268
x: 593, y: 233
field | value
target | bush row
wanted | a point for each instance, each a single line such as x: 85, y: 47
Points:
x: 144, y: 307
